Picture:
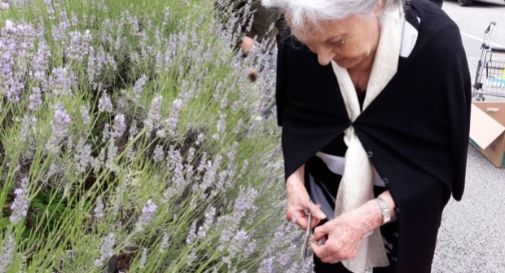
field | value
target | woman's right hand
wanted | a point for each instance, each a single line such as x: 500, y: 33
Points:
x: 298, y: 201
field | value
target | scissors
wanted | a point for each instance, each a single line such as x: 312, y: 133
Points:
x: 305, y: 245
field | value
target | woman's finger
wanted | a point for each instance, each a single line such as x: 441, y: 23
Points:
x: 316, y: 211
x: 319, y: 249
x: 297, y: 217
x: 320, y: 233
x: 315, y: 222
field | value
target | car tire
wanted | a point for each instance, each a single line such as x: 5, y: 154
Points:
x: 465, y: 3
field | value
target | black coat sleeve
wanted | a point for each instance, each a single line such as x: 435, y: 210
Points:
x: 458, y: 84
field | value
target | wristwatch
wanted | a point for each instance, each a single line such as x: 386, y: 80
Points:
x: 386, y: 216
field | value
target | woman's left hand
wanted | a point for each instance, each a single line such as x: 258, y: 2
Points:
x: 342, y: 236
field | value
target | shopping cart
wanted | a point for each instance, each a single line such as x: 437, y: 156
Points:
x: 490, y: 76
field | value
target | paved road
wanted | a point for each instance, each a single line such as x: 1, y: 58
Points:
x: 472, y: 236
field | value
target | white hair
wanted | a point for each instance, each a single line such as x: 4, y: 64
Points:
x: 300, y: 12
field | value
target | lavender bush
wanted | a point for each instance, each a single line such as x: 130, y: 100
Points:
x: 131, y: 140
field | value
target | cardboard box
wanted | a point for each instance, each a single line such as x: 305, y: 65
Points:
x: 487, y: 130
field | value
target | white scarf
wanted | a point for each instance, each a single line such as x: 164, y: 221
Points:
x: 356, y: 186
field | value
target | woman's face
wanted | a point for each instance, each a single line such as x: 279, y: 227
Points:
x: 351, y: 42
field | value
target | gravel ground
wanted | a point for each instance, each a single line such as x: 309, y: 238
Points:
x: 472, y: 235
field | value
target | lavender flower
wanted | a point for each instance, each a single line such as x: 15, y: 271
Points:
x: 79, y: 45
x: 83, y: 156
x: 250, y: 247
x: 192, y: 236
x: 27, y: 126
x: 74, y: 21
x: 98, y: 210
x: 59, y: 126
x: 175, y: 164
x: 106, y: 133
x: 21, y: 202
x: 35, y: 99
x: 59, y: 31
x: 190, y: 169
x: 61, y: 81
x: 221, y: 184
x: 16, y: 87
x: 40, y: 64
x: 96, y: 63
x: 203, y: 163
x: 164, y: 242
x: 244, y: 202
x: 104, y: 103
x: 119, y: 126
x: 99, y: 161
x: 158, y: 154
x: 199, y: 139
x: 111, y: 155
x: 147, y: 216
x: 174, y: 116
x: 111, y: 62
x: 210, y: 215
x: 153, y: 117
x: 85, y: 114
x: 191, y: 257
x: 221, y: 127
x: 238, y: 242
x: 4, y: 5
x: 49, y: 8
x: 106, y: 249
x: 266, y: 265
x: 139, y: 86
x: 143, y: 258
x: 210, y: 174
x: 7, y: 253
x: 134, y: 129
x: 16, y: 47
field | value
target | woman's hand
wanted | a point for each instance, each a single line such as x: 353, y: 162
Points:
x: 298, y: 201
x: 247, y: 45
x: 340, y: 238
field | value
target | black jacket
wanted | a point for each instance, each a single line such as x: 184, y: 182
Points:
x: 415, y: 131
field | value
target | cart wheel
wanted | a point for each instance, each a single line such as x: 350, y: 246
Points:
x: 477, y: 97
x: 465, y: 3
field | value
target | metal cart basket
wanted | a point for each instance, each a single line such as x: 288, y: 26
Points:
x: 490, y: 76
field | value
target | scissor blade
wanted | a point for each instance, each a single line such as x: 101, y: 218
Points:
x: 306, y: 238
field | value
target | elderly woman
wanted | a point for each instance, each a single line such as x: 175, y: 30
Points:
x: 373, y: 97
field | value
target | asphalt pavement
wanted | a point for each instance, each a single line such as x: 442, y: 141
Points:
x: 472, y: 234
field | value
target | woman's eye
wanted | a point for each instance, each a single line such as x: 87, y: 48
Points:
x: 339, y: 42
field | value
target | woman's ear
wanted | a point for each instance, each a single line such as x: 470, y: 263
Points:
x: 379, y: 7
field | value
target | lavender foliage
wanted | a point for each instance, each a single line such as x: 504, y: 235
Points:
x: 7, y: 253
x: 147, y: 216
x: 21, y: 202
x: 61, y: 63
x: 59, y: 128
x: 106, y: 249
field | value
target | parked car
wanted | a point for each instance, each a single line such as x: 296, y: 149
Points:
x: 465, y: 3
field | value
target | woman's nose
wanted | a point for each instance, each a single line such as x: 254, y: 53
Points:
x: 324, y: 56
